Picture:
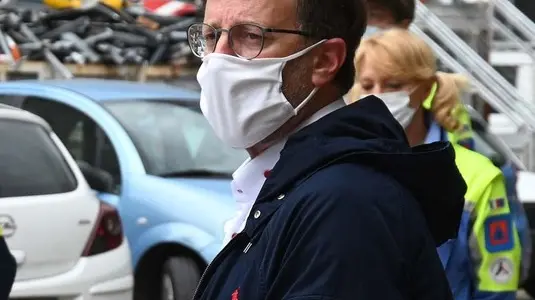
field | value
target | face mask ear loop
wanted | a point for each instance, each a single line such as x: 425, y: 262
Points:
x: 296, y: 55
x: 302, y: 52
x: 307, y: 99
x: 428, y: 102
x: 291, y: 56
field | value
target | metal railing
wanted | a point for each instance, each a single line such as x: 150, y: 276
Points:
x: 478, y: 86
x: 519, y: 22
x: 503, y: 96
x: 514, y: 41
x: 487, y: 82
x: 516, y: 18
x: 481, y: 88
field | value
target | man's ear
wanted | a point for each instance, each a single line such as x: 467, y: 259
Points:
x: 330, y: 58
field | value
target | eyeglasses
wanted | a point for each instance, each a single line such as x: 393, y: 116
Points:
x: 246, y: 40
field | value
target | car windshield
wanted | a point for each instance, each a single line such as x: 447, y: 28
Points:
x: 174, y: 139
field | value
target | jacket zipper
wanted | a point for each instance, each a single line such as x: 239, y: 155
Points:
x: 218, y: 257
x: 251, y: 242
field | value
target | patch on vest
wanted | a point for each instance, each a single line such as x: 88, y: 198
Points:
x: 498, y: 233
x: 497, y: 203
x: 502, y: 270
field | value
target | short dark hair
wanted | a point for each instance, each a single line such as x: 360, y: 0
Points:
x: 401, y: 10
x: 345, y: 19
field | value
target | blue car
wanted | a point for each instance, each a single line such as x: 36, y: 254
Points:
x: 156, y: 159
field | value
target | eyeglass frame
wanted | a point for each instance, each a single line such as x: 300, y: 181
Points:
x: 218, y: 32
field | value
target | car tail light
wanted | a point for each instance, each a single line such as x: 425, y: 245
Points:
x: 107, y: 233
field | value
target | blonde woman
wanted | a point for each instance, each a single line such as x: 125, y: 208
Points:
x: 445, y: 105
x: 399, y: 68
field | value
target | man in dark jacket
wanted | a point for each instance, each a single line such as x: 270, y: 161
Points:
x: 8, y: 268
x: 344, y: 211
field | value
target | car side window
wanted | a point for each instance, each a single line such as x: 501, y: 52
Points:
x: 31, y: 162
x: 74, y: 141
x: 13, y: 100
x: 79, y: 133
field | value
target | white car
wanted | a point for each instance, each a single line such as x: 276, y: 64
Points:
x: 68, y: 245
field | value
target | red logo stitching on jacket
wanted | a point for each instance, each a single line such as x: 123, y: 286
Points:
x: 235, y: 294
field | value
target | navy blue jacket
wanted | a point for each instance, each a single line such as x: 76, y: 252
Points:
x: 343, y: 216
x: 8, y: 268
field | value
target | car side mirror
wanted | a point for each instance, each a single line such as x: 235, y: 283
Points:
x: 97, y: 179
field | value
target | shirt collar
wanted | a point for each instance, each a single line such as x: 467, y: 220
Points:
x: 322, y: 113
x: 249, y: 178
x: 433, y: 134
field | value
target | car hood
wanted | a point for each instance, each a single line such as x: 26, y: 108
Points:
x: 219, y: 186
x: 218, y: 205
x: 204, y: 203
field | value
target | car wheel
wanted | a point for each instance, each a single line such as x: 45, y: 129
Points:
x: 179, y: 278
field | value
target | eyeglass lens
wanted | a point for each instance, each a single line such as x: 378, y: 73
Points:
x: 246, y: 40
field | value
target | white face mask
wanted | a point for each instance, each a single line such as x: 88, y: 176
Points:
x: 242, y: 99
x: 398, y: 104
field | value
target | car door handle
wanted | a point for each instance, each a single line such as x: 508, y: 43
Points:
x: 19, y: 256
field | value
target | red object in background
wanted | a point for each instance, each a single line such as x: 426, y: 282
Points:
x: 108, y: 231
x: 170, y: 7
x: 15, y: 51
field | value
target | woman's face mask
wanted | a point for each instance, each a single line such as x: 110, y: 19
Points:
x: 403, y: 105
x: 403, y: 97
x: 399, y: 105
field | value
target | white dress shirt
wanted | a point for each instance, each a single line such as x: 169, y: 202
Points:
x: 251, y: 175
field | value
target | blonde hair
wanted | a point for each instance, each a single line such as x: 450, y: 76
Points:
x: 402, y: 55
